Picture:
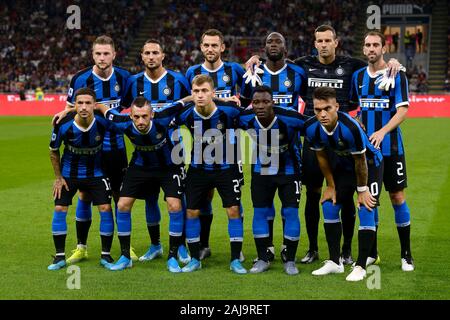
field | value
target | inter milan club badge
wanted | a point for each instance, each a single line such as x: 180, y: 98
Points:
x: 159, y: 135
x: 167, y: 91
x: 98, y: 138
x: 219, y: 125
x: 287, y: 83
x: 226, y: 78
x: 340, y: 143
x: 339, y: 71
x: 117, y: 87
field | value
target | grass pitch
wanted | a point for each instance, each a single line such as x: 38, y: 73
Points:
x: 26, y: 209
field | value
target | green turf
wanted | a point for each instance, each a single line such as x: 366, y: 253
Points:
x: 26, y: 212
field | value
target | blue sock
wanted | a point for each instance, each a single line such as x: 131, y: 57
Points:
x: 292, y: 224
x: 59, y: 224
x: 176, y: 223
x: 83, y: 211
x: 123, y: 223
x: 235, y: 229
x: 375, y: 210
x: 402, y: 215
x: 106, y: 223
x: 152, y: 212
x: 366, y: 219
x: 193, y: 230
x: 270, y: 212
x: 331, y: 212
x: 260, y: 225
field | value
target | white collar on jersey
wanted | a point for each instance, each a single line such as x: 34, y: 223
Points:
x: 202, y: 116
x: 269, y: 126
x: 277, y: 72
x: 149, y: 128
x: 372, y: 75
x: 212, y: 71
x: 157, y: 80
x: 84, y: 129
x: 103, y: 79
x: 332, y: 131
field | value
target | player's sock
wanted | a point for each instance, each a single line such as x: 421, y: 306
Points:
x: 124, y: 231
x: 260, y: 226
x: 348, y: 224
x: 59, y: 231
x: 205, y: 223
x: 270, y: 218
x: 333, y: 229
x: 312, y: 217
x: 83, y: 217
x: 106, y: 230
x: 366, y: 235
x: 374, y: 251
x: 176, y: 223
x: 236, y: 233
x: 291, y: 231
x: 153, y: 217
x: 403, y: 222
x: 184, y: 209
x: 193, y: 236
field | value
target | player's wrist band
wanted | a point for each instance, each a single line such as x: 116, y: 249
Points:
x: 362, y: 189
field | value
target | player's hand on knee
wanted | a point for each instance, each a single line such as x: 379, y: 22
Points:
x: 329, y: 194
x: 366, y: 199
x: 59, y: 183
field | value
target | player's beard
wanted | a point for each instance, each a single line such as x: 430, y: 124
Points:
x: 105, y: 66
x: 275, y: 57
x: 213, y: 60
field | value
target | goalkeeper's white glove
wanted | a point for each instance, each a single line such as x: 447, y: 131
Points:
x: 386, y: 79
x: 251, y: 75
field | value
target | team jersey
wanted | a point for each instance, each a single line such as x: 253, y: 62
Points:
x: 170, y: 87
x: 226, y: 77
x: 346, y: 139
x: 277, y: 141
x: 107, y: 91
x: 153, y: 149
x: 82, y: 147
x: 337, y: 75
x: 212, y: 133
x: 288, y: 84
x: 378, y: 107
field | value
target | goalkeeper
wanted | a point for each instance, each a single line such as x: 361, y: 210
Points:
x: 383, y: 99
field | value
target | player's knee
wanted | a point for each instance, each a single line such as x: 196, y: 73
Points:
x: 61, y: 209
x: 233, y: 212
x: 191, y: 213
x: 104, y: 208
x: 173, y: 204
x: 124, y: 204
x: 397, y: 197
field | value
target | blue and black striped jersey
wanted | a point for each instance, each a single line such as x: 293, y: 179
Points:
x: 109, y: 91
x: 226, y: 78
x: 346, y: 139
x: 288, y: 84
x: 153, y: 149
x: 210, y: 134
x: 378, y: 107
x: 170, y: 87
x: 82, y: 147
x: 277, y: 142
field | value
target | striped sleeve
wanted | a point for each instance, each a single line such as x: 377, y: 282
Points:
x: 401, y: 90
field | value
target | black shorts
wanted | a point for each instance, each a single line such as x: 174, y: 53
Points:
x: 263, y: 188
x: 345, y: 181
x: 139, y: 183
x: 114, y: 165
x: 394, y: 176
x: 312, y: 177
x: 199, y: 183
x: 98, y: 189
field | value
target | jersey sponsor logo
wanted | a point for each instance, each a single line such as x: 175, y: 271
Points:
x: 374, y: 103
x: 282, y: 98
x: 111, y: 103
x: 167, y: 91
x: 226, y: 93
x: 320, y: 82
x: 226, y: 78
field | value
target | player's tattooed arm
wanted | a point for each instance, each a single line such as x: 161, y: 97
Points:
x: 364, y: 197
x: 59, y: 183
x: 324, y: 164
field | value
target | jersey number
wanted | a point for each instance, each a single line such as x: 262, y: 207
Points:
x: 400, y: 169
x: 107, y: 185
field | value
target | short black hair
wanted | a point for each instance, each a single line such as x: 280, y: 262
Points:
x: 263, y: 89
x: 324, y: 93
x: 85, y: 91
x: 325, y: 27
x: 155, y: 41
x: 140, y: 102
